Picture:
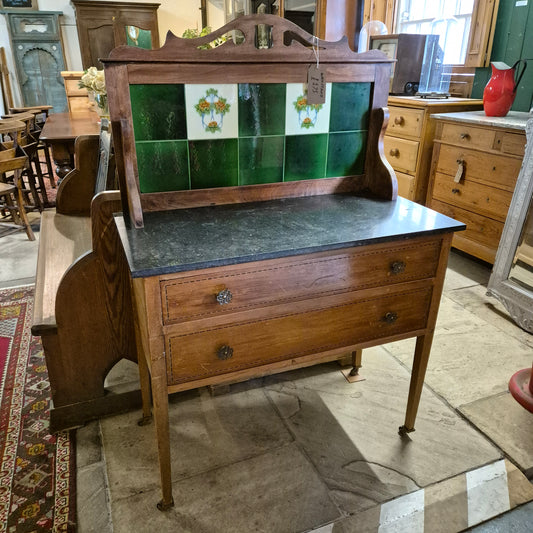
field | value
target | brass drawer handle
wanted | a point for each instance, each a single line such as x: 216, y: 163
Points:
x: 399, y: 120
x: 456, y: 191
x: 390, y: 317
x: 394, y: 152
x: 397, y: 267
x: 225, y: 352
x: 465, y: 136
x: 224, y: 297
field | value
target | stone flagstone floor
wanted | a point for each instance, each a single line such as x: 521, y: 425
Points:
x: 308, y: 451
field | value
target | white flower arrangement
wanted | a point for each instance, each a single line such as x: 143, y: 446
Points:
x: 93, y: 80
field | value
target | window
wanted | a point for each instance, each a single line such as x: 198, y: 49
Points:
x: 450, y: 19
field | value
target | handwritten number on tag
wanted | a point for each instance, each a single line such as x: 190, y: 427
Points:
x: 316, y: 85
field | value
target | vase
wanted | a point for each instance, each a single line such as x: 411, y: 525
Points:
x: 500, y: 91
x: 101, y: 105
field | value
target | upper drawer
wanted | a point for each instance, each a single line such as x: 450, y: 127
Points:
x: 403, y: 121
x: 497, y: 170
x: 468, y: 136
x: 401, y: 153
x: 204, y: 353
x: 274, y: 282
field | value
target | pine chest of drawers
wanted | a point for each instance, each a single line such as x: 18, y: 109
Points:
x: 409, y: 139
x: 476, y: 161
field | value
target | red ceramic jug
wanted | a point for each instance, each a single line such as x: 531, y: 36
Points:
x: 500, y: 91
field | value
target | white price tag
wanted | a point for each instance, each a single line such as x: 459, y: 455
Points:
x: 459, y: 173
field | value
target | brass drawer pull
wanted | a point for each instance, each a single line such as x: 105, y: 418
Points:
x: 456, y: 191
x: 224, y: 297
x: 390, y: 317
x: 465, y: 136
x: 394, y: 152
x: 397, y: 267
x: 225, y: 352
x: 399, y: 120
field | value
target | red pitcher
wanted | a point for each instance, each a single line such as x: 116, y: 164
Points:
x: 500, y: 91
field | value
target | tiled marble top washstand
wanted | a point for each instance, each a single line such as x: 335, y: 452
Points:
x: 190, y: 239
x: 515, y: 120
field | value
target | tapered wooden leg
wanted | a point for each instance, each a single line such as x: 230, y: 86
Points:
x: 160, y: 399
x: 420, y: 363
x: 144, y: 376
x: 357, y: 360
x: 21, y: 209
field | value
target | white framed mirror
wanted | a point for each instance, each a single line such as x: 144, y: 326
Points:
x: 511, y: 281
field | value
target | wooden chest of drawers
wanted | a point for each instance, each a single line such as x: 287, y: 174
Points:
x: 409, y: 139
x: 476, y: 161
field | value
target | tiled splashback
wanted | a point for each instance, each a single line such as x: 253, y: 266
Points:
x: 219, y: 135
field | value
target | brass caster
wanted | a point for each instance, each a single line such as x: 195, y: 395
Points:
x: 354, y: 371
x: 403, y: 430
x: 145, y: 420
x: 165, y: 506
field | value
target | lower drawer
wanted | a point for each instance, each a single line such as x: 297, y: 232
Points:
x: 472, y: 196
x: 478, y: 228
x: 406, y: 185
x: 237, y: 347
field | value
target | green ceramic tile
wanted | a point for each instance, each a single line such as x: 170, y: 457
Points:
x: 346, y: 154
x: 162, y: 166
x: 260, y: 160
x: 305, y: 156
x: 214, y: 163
x: 350, y: 105
x: 158, y: 112
x: 261, y: 109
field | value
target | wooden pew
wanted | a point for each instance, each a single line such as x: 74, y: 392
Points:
x: 82, y: 309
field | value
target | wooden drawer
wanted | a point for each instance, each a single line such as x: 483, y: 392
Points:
x: 472, y: 196
x: 274, y: 282
x: 492, y: 169
x: 405, y: 122
x: 468, y: 136
x: 406, y: 185
x: 513, y: 143
x: 401, y: 153
x: 72, y: 88
x: 201, y: 354
x: 478, y: 228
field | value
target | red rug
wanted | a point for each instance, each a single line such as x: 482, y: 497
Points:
x: 37, y: 476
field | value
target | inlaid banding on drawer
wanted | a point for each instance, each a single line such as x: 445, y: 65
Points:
x: 199, y: 296
x: 251, y: 344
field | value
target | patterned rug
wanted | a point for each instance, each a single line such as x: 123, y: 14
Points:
x: 37, y: 476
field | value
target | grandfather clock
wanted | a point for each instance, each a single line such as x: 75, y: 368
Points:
x: 38, y: 54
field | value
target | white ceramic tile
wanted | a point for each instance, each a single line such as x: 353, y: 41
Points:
x: 404, y: 514
x: 221, y: 117
x: 308, y: 120
x: 488, y: 493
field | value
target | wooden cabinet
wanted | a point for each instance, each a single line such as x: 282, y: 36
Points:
x: 103, y: 26
x: 238, y: 271
x: 409, y: 139
x: 476, y: 161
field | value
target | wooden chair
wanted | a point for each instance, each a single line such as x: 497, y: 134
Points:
x: 14, y: 160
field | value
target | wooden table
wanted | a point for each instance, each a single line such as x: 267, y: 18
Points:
x: 59, y: 133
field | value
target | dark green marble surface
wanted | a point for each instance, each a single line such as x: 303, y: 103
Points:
x: 192, y: 239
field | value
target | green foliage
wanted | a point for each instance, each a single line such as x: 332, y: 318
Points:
x: 192, y: 33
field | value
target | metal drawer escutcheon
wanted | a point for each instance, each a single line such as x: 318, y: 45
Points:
x: 390, y: 317
x: 225, y: 352
x: 397, y: 267
x: 224, y: 297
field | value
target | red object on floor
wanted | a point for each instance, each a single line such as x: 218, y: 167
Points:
x: 521, y: 388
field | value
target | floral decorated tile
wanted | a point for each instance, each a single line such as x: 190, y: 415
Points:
x: 302, y: 118
x: 212, y: 111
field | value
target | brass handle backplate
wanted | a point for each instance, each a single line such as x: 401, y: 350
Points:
x: 397, y: 267
x: 224, y: 297
x: 390, y: 317
x: 225, y: 352
x: 395, y: 152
